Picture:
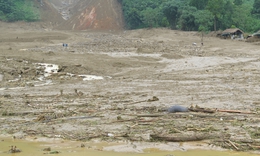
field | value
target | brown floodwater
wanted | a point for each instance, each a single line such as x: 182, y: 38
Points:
x: 68, y: 148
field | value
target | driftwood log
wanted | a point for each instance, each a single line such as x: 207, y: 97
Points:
x: 181, y: 137
x: 208, y: 110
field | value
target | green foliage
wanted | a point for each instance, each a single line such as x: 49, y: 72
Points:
x: 202, y: 28
x: 256, y: 8
x: 171, y: 11
x: 15, y: 10
x: 140, y: 14
x: 241, y: 19
x: 216, y: 7
x: 189, y: 15
x: 151, y: 17
x: 165, y: 22
x: 187, y: 18
x: 238, y: 2
x: 199, y: 4
x: 204, y: 19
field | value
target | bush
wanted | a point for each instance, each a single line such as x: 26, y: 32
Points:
x: 233, y: 26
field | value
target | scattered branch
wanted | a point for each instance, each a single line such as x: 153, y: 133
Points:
x: 234, y: 111
x: 233, y: 145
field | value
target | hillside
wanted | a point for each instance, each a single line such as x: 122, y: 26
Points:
x: 82, y: 14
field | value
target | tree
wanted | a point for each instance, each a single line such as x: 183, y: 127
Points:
x: 256, y: 8
x: 6, y: 6
x: 14, y: 10
x: 187, y: 18
x: 171, y: 10
x: 133, y: 18
x: 202, y: 15
x: 199, y: 4
x: 140, y: 14
x: 216, y: 8
x: 228, y: 13
x: 204, y: 20
x: 238, y: 2
x: 150, y: 17
x: 241, y: 19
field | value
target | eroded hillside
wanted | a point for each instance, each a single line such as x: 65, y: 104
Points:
x: 82, y: 14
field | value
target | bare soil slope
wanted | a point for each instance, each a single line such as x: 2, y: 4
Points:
x: 82, y: 14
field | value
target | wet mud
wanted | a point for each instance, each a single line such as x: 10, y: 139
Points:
x: 67, y: 148
x: 118, y: 86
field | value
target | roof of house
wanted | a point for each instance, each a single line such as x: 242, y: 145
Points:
x: 232, y: 30
x: 257, y: 33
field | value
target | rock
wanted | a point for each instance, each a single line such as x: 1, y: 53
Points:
x: 177, y: 108
x: 47, y: 149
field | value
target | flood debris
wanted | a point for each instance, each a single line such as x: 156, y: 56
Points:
x: 50, y: 91
x: 235, y: 111
x: 48, y: 68
x: 200, y: 109
x: 238, y: 144
x: 47, y: 149
x: 153, y: 99
x: 14, y: 149
x: 82, y: 145
x: 181, y: 137
x: 54, y: 152
x: 79, y: 93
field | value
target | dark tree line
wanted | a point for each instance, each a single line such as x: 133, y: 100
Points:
x: 192, y: 15
x: 15, y: 10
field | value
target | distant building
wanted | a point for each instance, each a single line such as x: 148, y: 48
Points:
x: 257, y: 34
x: 254, y: 37
x: 234, y: 33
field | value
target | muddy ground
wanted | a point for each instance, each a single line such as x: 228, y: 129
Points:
x: 115, y: 86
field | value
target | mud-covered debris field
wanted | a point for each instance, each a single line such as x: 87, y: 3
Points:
x: 116, y: 86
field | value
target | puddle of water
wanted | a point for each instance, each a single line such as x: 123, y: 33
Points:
x: 67, y: 148
x: 48, y: 68
x: 53, y: 68
x: 91, y: 77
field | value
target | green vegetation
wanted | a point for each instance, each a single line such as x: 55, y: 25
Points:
x: 192, y: 15
x: 16, y: 10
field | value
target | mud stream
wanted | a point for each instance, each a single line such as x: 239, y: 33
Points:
x: 30, y: 147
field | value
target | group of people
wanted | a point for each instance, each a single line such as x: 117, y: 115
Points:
x: 65, y: 45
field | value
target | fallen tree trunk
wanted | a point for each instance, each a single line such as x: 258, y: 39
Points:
x: 181, y: 137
